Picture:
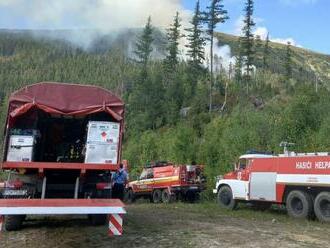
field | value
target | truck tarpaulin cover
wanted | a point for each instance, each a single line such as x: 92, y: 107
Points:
x: 65, y: 99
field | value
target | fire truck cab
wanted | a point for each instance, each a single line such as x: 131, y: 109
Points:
x: 300, y: 181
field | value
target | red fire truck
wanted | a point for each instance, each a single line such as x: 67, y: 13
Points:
x: 166, y: 182
x: 62, y: 144
x: 300, y: 181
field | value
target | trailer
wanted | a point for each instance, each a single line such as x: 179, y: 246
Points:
x: 166, y: 182
x: 300, y: 181
x: 62, y: 145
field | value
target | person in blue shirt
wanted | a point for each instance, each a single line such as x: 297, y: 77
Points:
x: 119, y: 181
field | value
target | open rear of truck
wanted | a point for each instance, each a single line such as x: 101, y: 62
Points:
x: 61, y: 141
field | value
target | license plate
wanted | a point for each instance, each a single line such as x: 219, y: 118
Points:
x: 10, y: 192
x: 193, y: 187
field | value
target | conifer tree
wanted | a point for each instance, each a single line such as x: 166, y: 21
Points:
x: 173, y: 36
x: 247, y: 39
x: 143, y: 46
x: 265, y: 58
x: 215, y: 15
x: 258, y: 51
x: 239, y: 62
x: 288, y: 62
x: 196, y: 40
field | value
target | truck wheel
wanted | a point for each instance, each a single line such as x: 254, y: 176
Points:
x: 191, y: 196
x: 322, y: 206
x: 130, y: 196
x: 157, y: 196
x: 13, y: 222
x: 299, y: 204
x: 97, y: 219
x: 167, y: 196
x: 225, y: 198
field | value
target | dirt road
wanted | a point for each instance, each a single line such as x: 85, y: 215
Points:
x: 175, y: 225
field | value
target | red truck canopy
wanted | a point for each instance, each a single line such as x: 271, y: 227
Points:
x: 65, y: 99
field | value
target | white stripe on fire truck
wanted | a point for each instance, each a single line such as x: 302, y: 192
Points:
x: 153, y: 180
x: 311, y: 179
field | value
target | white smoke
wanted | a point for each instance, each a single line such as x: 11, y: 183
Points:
x: 95, y: 17
x: 223, y: 58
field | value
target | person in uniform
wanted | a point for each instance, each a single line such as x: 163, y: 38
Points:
x: 119, y: 181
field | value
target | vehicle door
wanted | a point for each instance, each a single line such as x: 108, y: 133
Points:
x: 243, y: 171
x: 145, y: 181
x: 241, y: 184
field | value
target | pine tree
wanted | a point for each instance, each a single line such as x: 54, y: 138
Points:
x: 216, y: 14
x: 173, y: 90
x: 288, y: 62
x: 258, y: 51
x: 247, y: 39
x: 265, y: 58
x: 173, y: 36
x: 196, y: 40
x: 239, y: 62
x: 143, y: 46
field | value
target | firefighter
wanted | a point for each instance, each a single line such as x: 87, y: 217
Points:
x: 119, y: 181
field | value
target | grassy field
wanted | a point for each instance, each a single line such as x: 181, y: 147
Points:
x: 175, y: 225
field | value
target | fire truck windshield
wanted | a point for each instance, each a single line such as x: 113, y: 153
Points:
x: 242, y: 163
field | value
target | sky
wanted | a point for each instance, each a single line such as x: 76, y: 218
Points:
x: 302, y: 22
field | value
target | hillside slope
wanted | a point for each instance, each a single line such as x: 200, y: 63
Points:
x: 315, y: 66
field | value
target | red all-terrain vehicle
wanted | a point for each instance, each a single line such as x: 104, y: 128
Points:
x: 166, y: 182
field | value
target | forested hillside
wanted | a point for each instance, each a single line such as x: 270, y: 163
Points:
x: 167, y: 106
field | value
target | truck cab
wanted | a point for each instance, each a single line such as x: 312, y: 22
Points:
x: 236, y: 184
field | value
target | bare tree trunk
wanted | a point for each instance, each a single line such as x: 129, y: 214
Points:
x: 226, y: 96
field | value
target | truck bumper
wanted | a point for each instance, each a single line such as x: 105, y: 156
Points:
x: 215, y: 191
x: 114, y: 208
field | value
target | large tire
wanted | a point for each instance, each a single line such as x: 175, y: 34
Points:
x: 156, y: 196
x: 299, y: 204
x: 192, y: 196
x: 225, y: 198
x: 167, y: 197
x: 130, y: 196
x: 322, y: 206
x: 97, y: 219
x: 13, y: 222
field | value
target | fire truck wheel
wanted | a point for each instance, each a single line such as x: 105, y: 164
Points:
x: 130, y: 196
x: 299, y: 204
x: 225, y: 198
x: 167, y: 197
x: 157, y: 196
x: 13, y: 222
x: 97, y: 219
x: 322, y: 206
